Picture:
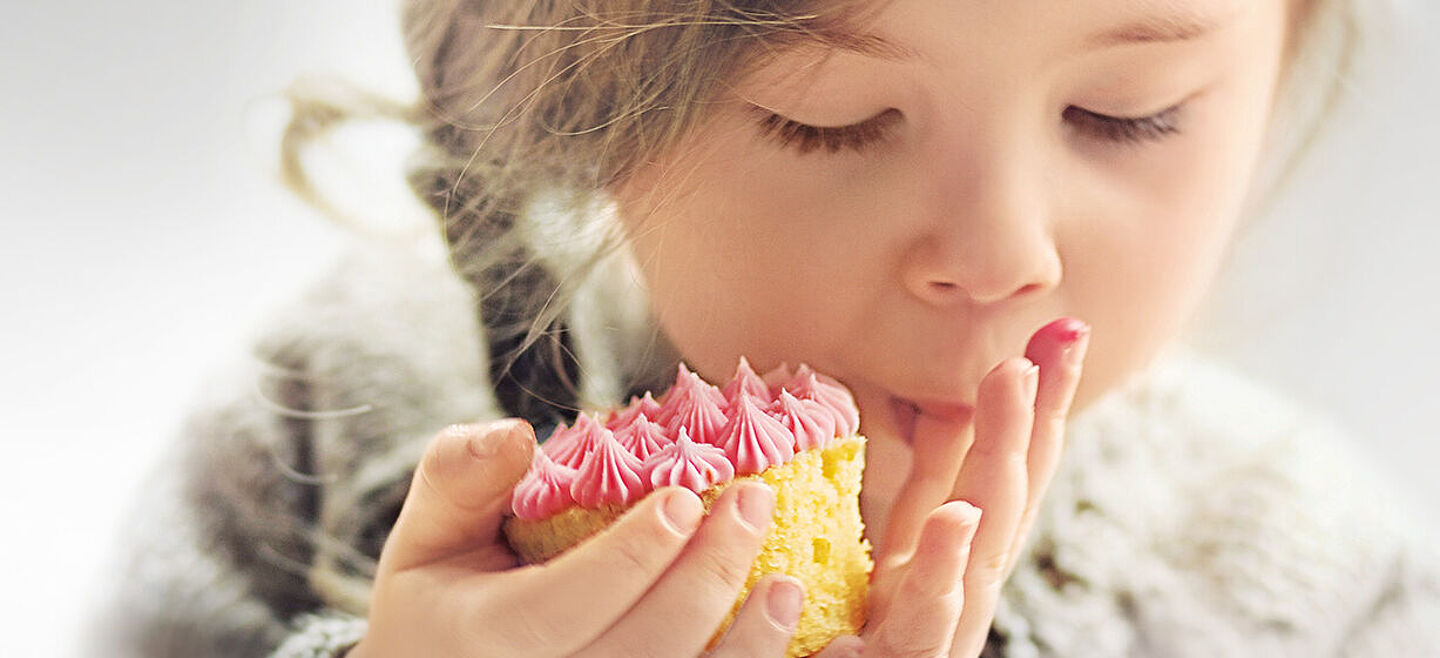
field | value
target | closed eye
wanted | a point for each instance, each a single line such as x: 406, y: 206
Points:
x: 806, y: 138
x: 1125, y: 130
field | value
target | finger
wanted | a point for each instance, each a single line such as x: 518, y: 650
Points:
x: 845, y: 646
x: 459, y: 493
x: 1059, y: 349
x: 766, y: 622
x: 928, y: 604
x: 939, y: 448
x: 575, y: 597
x: 994, y: 476
x: 678, y: 616
x: 940, y: 445
x: 994, y: 479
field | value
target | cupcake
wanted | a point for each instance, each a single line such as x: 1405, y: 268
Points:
x: 798, y: 432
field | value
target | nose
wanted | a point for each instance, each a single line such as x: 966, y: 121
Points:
x: 988, y: 236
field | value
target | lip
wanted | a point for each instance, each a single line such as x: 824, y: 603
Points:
x: 907, y: 412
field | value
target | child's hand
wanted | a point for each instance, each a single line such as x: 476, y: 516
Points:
x: 935, y: 567
x: 448, y: 585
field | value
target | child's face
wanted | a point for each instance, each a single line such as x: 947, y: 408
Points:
x: 997, y: 187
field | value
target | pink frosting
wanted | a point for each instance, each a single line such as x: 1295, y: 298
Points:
x: 812, y: 424
x: 754, y: 440
x: 687, y: 389
x: 696, y: 410
x: 777, y: 377
x: 646, y: 406
x: 700, y: 436
x: 569, y: 446
x: 746, y: 381
x: 807, y: 385
x: 642, y: 437
x: 545, y: 489
x: 610, y: 475
x: 685, y: 463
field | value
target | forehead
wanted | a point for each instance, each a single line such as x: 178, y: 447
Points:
x: 898, y: 29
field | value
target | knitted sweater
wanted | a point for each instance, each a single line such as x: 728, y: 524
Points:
x: 1193, y: 514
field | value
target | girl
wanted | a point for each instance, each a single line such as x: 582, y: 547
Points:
x: 905, y: 194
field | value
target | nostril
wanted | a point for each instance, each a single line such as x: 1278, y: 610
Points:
x: 1027, y: 289
x: 943, y: 291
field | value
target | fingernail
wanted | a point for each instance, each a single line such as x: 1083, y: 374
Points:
x: 682, y: 511
x: 969, y: 514
x: 1030, y: 381
x: 486, y: 440
x: 1076, y: 344
x: 783, y: 603
x: 756, y: 504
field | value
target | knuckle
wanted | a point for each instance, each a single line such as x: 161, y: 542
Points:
x: 991, y: 568
x: 905, y: 645
x: 632, y: 557
x: 721, y: 573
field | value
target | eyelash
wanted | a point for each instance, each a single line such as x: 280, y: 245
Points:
x: 1125, y: 130
x: 858, y: 137
x: 806, y: 138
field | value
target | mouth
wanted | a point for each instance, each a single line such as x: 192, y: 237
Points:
x: 908, y: 412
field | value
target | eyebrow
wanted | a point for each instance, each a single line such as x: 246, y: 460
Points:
x: 1160, y: 28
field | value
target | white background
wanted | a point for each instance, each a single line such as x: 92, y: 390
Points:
x: 144, y: 235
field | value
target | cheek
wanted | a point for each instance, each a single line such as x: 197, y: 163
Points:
x: 1144, y: 266
x: 745, y: 263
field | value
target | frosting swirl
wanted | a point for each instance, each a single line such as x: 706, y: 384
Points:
x: 812, y: 424
x: 545, y: 489
x: 569, y: 446
x: 609, y: 475
x: 696, y: 406
x: 807, y: 384
x: 754, y: 440
x: 688, y: 389
x: 642, y: 437
x: 644, y: 406
x: 746, y: 381
x: 685, y: 463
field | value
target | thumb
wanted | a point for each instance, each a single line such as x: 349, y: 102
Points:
x: 460, y: 492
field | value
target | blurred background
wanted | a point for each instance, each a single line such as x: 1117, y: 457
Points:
x: 145, y: 235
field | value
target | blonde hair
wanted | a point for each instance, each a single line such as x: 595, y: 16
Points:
x: 524, y: 97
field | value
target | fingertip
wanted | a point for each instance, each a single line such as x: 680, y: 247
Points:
x: 845, y: 646
x: 784, y: 601
x: 1058, y: 339
x: 950, y: 527
x: 681, y: 510
x: 488, y: 440
x: 1012, y: 369
x: 471, y: 462
x: 964, y: 513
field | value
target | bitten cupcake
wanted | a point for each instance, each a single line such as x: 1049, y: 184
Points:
x: 796, y: 431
